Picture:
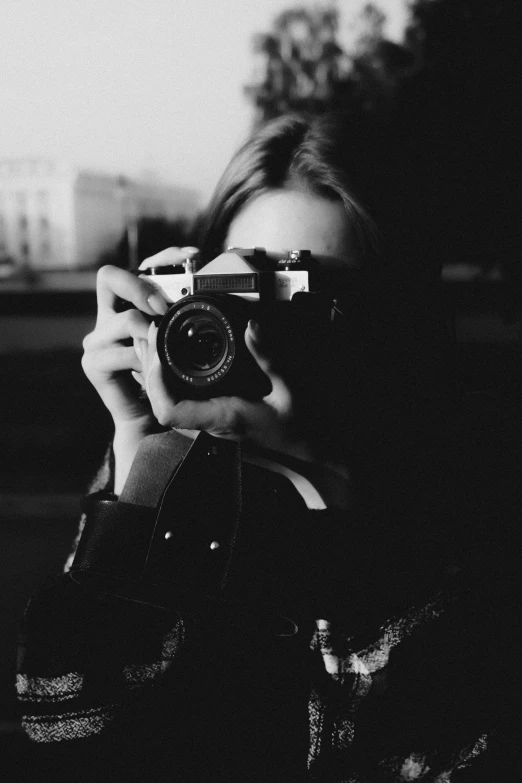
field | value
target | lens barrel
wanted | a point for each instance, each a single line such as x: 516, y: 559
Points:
x: 199, y: 345
x: 202, y: 348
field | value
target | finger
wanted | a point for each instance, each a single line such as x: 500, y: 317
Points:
x: 280, y: 393
x: 171, y: 255
x: 122, y: 326
x: 146, y: 350
x: 219, y: 415
x: 224, y: 416
x: 137, y: 347
x: 113, y: 284
x: 168, y: 411
x: 161, y: 401
x: 232, y: 418
x: 152, y: 335
x: 113, y: 360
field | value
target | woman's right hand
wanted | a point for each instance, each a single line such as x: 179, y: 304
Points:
x: 109, y: 355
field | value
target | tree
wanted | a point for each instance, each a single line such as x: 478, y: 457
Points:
x: 378, y: 65
x: 433, y: 119
x: 455, y: 121
x: 302, y: 66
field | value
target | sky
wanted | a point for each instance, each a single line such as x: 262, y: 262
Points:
x: 135, y: 86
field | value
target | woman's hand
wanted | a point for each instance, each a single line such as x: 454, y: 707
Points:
x: 110, y: 357
x: 109, y: 354
x: 267, y: 423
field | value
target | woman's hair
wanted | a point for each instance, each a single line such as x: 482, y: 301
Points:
x: 292, y: 151
x: 387, y: 336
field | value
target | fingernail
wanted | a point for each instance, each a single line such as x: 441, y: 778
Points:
x: 158, y: 304
x: 153, y: 330
x: 137, y: 348
x: 137, y: 377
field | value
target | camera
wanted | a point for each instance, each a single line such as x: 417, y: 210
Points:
x: 200, y: 339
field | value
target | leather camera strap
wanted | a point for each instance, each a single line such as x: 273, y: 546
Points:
x: 156, y: 461
x: 177, y: 536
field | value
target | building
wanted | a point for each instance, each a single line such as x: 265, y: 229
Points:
x: 59, y: 217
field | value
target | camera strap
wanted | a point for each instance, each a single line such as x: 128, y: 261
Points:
x: 178, y: 537
x: 156, y: 461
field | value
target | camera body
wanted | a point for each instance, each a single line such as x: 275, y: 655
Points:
x: 200, y: 339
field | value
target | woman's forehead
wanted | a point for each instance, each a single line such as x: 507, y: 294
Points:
x: 283, y: 220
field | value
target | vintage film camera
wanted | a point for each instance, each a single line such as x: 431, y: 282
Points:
x: 200, y: 339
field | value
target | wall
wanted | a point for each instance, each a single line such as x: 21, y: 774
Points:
x: 98, y: 217
x: 36, y: 209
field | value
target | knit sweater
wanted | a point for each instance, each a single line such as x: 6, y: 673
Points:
x: 411, y: 676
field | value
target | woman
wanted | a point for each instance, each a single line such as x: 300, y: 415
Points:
x: 378, y: 679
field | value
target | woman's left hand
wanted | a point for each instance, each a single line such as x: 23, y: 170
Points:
x: 268, y: 423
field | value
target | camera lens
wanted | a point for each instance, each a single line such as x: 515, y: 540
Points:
x: 198, y: 344
x: 202, y: 349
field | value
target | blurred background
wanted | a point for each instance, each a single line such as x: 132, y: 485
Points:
x: 117, y: 119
